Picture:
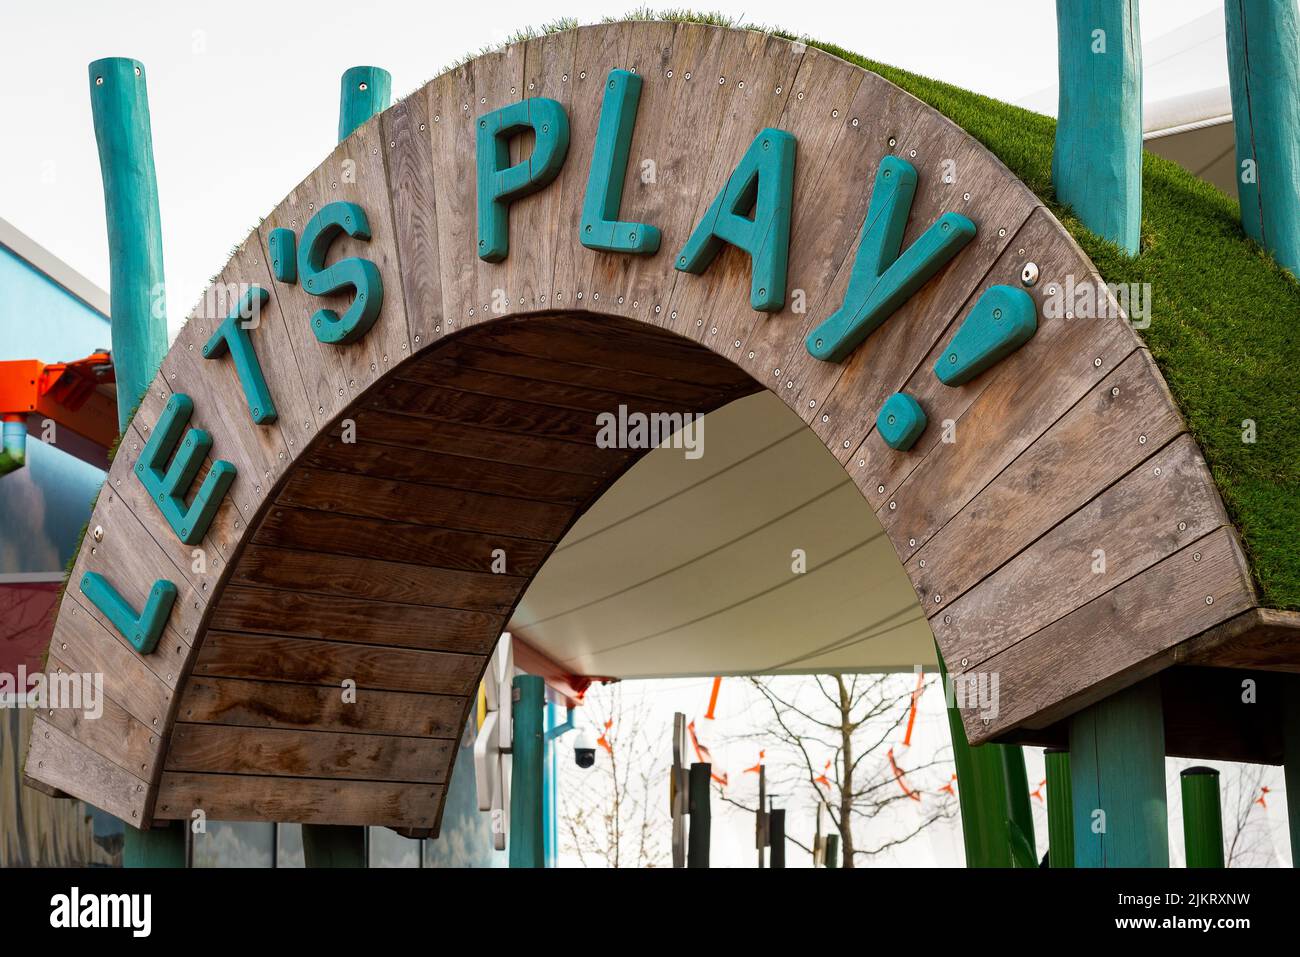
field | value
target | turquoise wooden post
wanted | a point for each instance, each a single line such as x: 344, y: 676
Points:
x: 997, y: 823
x: 119, y: 103
x: 1264, y: 74
x: 1117, y: 781
x: 333, y: 845
x: 526, y: 825
x: 163, y: 845
x: 363, y: 92
x: 1097, y: 159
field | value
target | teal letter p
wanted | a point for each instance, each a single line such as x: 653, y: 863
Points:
x: 499, y: 183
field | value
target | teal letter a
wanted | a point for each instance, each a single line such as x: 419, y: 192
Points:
x: 752, y: 212
x: 882, y: 280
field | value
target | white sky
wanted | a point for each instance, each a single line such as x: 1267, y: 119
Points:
x: 244, y: 95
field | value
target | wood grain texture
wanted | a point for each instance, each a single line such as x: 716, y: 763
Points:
x: 312, y: 754
x: 237, y: 797
x: 272, y: 704
x: 358, y: 540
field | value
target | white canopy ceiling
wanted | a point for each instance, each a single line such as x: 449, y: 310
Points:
x: 684, y: 567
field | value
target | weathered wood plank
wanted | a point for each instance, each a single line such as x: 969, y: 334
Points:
x: 407, y: 145
x: 293, y: 614
x: 63, y: 762
x: 451, y: 438
x: 1116, y: 639
x: 487, y: 412
x: 479, y: 355
x: 403, y: 464
x: 385, y: 581
x: 274, y: 704
x: 1119, y: 534
x: 389, y: 541
x: 446, y: 508
x: 244, y: 797
x: 230, y: 655
x: 109, y: 729
x: 310, y: 754
x: 86, y: 646
x: 1097, y: 441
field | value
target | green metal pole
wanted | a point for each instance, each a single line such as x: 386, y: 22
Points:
x: 1060, y: 809
x: 832, y: 850
x: 697, y: 847
x: 1264, y: 76
x: 997, y: 821
x: 1097, y: 158
x: 333, y: 845
x: 163, y: 845
x: 1117, y: 780
x: 1202, y: 818
x: 363, y: 92
x: 1291, y: 760
x: 526, y: 760
x: 119, y: 103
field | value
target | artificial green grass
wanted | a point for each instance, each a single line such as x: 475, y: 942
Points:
x: 1225, y: 317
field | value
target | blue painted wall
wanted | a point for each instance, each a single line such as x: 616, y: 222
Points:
x: 44, y: 504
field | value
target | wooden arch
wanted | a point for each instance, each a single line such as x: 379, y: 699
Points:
x: 474, y: 398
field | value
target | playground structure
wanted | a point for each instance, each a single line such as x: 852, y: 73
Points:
x: 408, y: 380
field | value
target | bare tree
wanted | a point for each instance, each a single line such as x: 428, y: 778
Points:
x: 1247, y: 839
x: 616, y: 813
x: 832, y: 735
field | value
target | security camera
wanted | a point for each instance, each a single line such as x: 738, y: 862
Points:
x: 584, y: 750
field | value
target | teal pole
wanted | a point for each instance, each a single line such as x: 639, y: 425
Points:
x: 119, y: 103
x: 1291, y: 760
x: 1117, y: 780
x: 997, y: 822
x: 1060, y: 809
x: 1264, y: 76
x: 1202, y: 818
x: 363, y: 92
x: 333, y: 845
x: 1097, y: 158
x: 698, y: 838
x: 527, y: 747
x: 163, y: 845
x: 549, y: 782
